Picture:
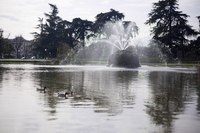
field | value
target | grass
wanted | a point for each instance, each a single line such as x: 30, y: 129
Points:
x: 157, y: 62
x: 42, y: 61
x: 173, y: 64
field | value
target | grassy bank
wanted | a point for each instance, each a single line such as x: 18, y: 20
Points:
x: 39, y: 61
x: 172, y: 64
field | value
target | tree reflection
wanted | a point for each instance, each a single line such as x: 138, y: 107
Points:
x: 55, y: 81
x: 1, y: 77
x: 111, y: 91
x: 170, y: 91
x: 198, y: 89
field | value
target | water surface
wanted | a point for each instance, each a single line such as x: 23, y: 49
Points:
x: 105, y: 100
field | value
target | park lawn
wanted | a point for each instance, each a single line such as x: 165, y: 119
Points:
x: 24, y: 61
x: 172, y: 64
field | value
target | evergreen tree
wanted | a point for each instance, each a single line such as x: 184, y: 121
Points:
x: 39, y: 38
x: 171, y: 27
x: 51, y: 31
x: 1, y: 41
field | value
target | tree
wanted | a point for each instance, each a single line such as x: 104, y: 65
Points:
x: 171, y: 27
x: 5, y: 46
x: 198, y: 17
x: 1, y: 41
x: 17, y: 44
x: 102, y: 18
x: 38, y: 42
x: 62, y: 32
x: 51, y: 31
x: 81, y: 29
x: 195, y: 46
x: 129, y: 25
x: 55, y: 31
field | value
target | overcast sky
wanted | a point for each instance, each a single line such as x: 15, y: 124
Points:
x: 19, y: 17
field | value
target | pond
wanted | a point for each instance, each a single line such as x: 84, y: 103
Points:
x: 148, y: 99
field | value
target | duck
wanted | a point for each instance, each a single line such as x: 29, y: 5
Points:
x: 62, y: 95
x: 69, y: 93
x: 65, y: 94
x: 42, y: 89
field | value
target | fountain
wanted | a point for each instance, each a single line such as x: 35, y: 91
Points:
x: 114, y: 45
x: 124, y: 58
x: 119, y: 35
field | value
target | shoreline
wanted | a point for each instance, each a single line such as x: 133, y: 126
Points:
x: 45, y: 61
x: 51, y: 61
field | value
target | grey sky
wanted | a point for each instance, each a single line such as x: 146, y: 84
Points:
x: 19, y: 17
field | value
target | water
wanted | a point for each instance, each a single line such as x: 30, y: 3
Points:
x: 119, y: 34
x: 106, y: 100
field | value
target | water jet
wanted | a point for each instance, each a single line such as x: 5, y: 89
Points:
x: 115, y: 46
x: 119, y: 35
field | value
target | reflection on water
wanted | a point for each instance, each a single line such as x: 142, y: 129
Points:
x: 171, y: 93
x: 109, y: 100
x: 198, y: 90
x: 110, y: 90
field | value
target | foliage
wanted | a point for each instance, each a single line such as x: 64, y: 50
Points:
x: 194, y: 50
x: 17, y: 44
x: 63, y: 50
x: 81, y: 29
x: 133, y: 27
x: 5, y: 46
x: 1, y: 40
x: 171, y: 27
x: 38, y: 42
x: 198, y: 17
x: 54, y: 31
x: 102, y: 18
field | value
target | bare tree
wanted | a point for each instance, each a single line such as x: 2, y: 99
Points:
x: 17, y: 44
